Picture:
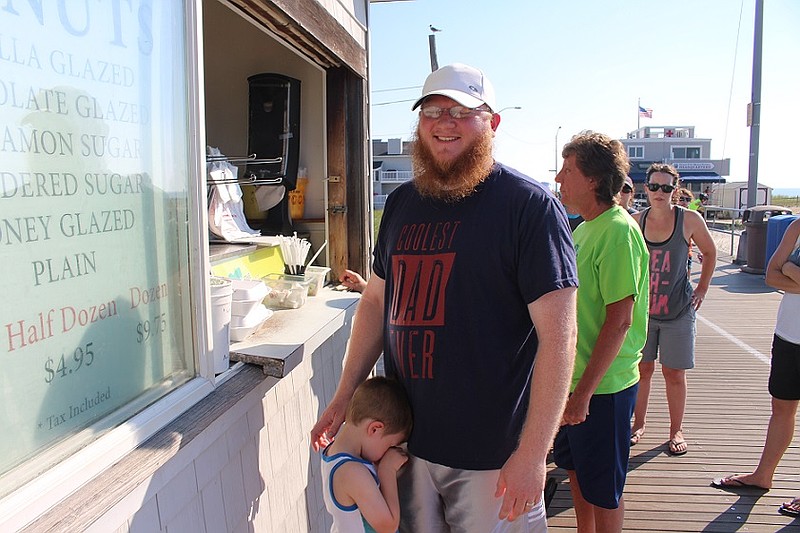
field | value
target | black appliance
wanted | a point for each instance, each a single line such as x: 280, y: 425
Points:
x: 274, y: 132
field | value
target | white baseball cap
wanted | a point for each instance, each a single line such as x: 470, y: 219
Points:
x: 466, y: 85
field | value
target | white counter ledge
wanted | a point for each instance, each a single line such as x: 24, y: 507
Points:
x: 279, y: 343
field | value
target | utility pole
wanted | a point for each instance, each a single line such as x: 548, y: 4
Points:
x: 754, y: 115
x: 432, y: 46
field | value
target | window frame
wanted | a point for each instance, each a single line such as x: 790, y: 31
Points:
x: 36, y: 496
x: 686, y: 149
x: 636, y: 148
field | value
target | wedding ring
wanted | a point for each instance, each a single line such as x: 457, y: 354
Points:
x: 529, y: 505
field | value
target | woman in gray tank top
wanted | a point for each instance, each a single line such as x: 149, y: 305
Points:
x: 668, y: 230
x: 670, y: 290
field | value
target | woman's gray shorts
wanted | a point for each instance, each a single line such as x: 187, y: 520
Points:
x: 672, y: 341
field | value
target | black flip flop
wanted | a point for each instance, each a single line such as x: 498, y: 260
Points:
x: 672, y: 446
x: 729, y: 483
x: 788, y: 510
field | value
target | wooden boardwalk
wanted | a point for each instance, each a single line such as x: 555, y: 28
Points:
x: 728, y: 408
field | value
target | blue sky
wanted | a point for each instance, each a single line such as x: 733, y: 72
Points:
x: 583, y: 64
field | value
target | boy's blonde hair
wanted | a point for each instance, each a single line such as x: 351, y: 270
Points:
x: 381, y: 399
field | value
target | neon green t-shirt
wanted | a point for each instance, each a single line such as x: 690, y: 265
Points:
x: 612, y: 264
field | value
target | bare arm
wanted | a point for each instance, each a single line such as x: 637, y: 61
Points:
x: 363, y: 350
x: 522, y: 478
x: 379, y: 505
x: 695, y: 229
x: 388, y: 466
x: 609, y: 341
x: 781, y: 274
x: 792, y: 271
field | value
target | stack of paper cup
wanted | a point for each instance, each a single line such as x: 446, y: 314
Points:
x: 221, y: 293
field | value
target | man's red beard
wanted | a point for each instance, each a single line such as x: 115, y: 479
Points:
x: 452, y: 181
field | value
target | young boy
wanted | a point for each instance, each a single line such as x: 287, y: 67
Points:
x: 359, y: 468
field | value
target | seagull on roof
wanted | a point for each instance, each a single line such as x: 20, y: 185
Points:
x: 434, y: 29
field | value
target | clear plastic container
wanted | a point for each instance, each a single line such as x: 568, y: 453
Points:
x: 288, y: 292
x: 316, y: 276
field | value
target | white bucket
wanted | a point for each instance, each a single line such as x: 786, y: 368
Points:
x: 221, y: 296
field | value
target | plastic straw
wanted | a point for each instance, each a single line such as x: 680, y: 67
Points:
x: 294, y: 253
x: 324, y: 244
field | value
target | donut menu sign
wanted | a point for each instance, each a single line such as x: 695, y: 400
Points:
x: 93, y: 204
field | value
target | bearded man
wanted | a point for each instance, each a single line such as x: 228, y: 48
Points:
x: 474, y: 280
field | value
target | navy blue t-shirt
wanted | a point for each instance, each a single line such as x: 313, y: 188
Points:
x: 457, y: 334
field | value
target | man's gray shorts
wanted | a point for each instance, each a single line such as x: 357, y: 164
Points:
x: 672, y: 341
x: 439, y: 499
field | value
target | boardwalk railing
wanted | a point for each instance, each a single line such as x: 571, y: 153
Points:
x: 725, y: 224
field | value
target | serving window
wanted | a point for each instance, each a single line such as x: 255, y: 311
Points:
x: 95, y: 201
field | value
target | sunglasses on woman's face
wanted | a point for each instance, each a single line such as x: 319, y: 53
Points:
x: 685, y: 199
x: 627, y: 189
x: 666, y: 187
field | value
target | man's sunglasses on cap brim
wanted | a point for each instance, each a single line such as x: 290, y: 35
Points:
x: 457, y: 111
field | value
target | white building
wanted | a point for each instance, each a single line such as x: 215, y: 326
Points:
x: 734, y: 194
x: 391, y: 166
x: 678, y: 146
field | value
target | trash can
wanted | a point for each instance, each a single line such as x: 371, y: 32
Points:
x: 776, y: 227
x: 755, y: 221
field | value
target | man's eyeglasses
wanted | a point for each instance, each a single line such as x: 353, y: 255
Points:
x: 627, y: 189
x: 684, y: 199
x: 457, y: 111
x: 666, y: 187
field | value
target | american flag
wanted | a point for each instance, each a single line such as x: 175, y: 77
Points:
x: 645, y: 112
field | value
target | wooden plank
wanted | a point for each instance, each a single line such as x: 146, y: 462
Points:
x: 336, y: 80
x: 728, y: 409
x: 310, y: 19
x: 282, y: 25
x: 359, y: 217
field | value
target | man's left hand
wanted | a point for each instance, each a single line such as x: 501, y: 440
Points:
x: 520, y: 483
x: 576, y: 411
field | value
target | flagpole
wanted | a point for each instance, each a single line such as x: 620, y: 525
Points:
x: 638, y: 115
